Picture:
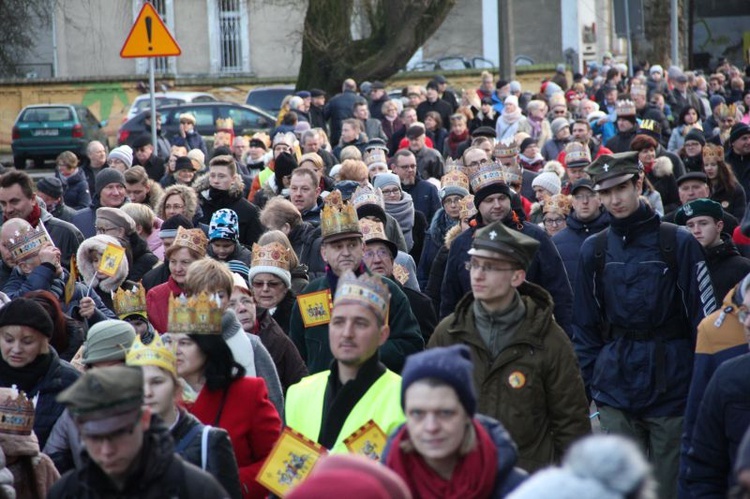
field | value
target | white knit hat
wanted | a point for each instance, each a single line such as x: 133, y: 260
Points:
x: 549, y: 181
x: 123, y: 153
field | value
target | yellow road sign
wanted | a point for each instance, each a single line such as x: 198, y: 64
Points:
x: 149, y: 36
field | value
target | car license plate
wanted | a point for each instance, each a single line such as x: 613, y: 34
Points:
x: 46, y: 132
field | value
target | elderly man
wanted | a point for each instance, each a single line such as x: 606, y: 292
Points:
x: 372, y: 127
x: 692, y: 186
x: 96, y: 154
x: 311, y: 143
x: 429, y: 162
x: 342, y: 249
x: 340, y: 108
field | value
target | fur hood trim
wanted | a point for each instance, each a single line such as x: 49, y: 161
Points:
x: 452, y: 234
x: 86, y: 265
x: 663, y: 167
x: 202, y: 184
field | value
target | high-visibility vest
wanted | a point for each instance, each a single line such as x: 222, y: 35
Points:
x: 381, y: 403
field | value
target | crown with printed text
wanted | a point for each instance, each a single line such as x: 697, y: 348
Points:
x: 199, y: 314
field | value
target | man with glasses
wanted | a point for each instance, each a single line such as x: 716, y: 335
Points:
x: 522, y: 355
x: 424, y: 194
x: 129, y: 452
x: 342, y: 250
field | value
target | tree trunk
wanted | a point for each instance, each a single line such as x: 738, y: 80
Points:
x: 393, y: 31
x: 656, y: 44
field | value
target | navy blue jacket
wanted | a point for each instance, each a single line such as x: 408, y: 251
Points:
x: 339, y: 108
x: 546, y: 270
x: 723, y: 418
x: 570, y: 239
x: 76, y: 190
x: 434, y: 239
x: 425, y: 197
x: 638, y: 291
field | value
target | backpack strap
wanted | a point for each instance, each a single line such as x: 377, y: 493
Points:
x: 600, y: 249
x: 185, y: 441
x: 668, y: 244
x: 204, y: 446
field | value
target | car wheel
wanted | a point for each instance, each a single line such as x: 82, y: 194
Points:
x: 19, y: 162
x: 39, y: 163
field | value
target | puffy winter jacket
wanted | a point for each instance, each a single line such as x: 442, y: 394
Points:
x: 76, y: 190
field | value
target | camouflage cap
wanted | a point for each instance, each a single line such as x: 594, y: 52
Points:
x: 609, y: 170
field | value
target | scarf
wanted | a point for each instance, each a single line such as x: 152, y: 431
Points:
x: 455, y: 140
x: 498, y: 328
x: 403, y: 212
x: 441, y: 224
x: 26, y: 378
x: 473, y: 476
x: 534, y: 164
x: 511, y: 118
x: 536, y: 126
x: 34, y: 216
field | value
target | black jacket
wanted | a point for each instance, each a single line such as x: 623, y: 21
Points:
x: 421, y: 304
x: 157, y: 275
x: 220, y: 461
x: 741, y: 167
x: 339, y: 108
x: 725, y: 265
x: 142, y: 258
x: 621, y: 141
x: 248, y: 214
x: 159, y: 474
x: 154, y: 167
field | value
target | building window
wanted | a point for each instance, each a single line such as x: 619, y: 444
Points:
x: 228, y: 36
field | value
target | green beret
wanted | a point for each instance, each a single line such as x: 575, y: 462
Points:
x: 609, y: 170
x: 698, y: 208
x: 497, y: 241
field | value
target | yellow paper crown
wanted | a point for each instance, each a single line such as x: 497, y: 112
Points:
x: 372, y: 229
x: 453, y: 164
x: 16, y: 413
x: 194, y: 239
x: 153, y: 354
x: 489, y: 174
x: 454, y: 179
x: 577, y: 153
x: 28, y: 242
x: 467, y: 208
x: 375, y: 156
x: 130, y: 302
x: 271, y: 255
x: 224, y: 124
x: 723, y: 111
x: 199, y: 314
x: 506, y: 149
x: 712, y: 154
x: 558, y: 203
x: 625, y: 108
x: 338, y: 216
x: 367, y: 290
x: 367, y: 195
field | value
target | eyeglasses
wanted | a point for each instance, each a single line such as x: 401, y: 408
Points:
x: 391, y: 192
x: 476, y: 164
x: 584, y: 197
x: 267, y: 284
x: 550, y: 222
x: 487, y: 268
x: 380, y: 253
x: 411, y: 166
x: 452, y: 200
x: 104, y: 230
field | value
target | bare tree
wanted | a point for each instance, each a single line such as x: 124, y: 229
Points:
x: 386, y: 35
x: 656, y: 43
x: 19, y: 21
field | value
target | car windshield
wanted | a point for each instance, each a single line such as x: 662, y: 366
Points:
x: 144, y: 104
x: 269, y: 100
x: 46, y: 114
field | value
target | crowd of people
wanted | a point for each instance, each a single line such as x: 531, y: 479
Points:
x: 431, y: 295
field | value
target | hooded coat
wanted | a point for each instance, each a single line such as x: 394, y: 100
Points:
x: 104, y: 287
x: 547, y: 409
x: 76, y: 190
x: 663, y: 179
x: 248, y: 214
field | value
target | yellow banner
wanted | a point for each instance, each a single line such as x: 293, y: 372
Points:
x: 315, y: 308
x: 70, y: 285
x: 111, y: 259
x: 289, y: 463
x: 368, y: 441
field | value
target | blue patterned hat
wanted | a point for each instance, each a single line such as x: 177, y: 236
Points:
x: 224, y: 225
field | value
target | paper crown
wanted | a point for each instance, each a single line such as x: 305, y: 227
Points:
x: 271, y: 255
x: 130, y: 302
x: 26, y: 243
x: 199, y: 314
x: 454, y: 178
x: 224, y: 125
x: 558, y: 203
x: 467, y: 208
x: 338, y: 217
x: 153, y: 354
x: 638, y: 89
x: 287, y: 138
x: 16, y: 413
x: 625, y: 108
x: 400, y: 273
x: 453, y: 164
x: 375, y: 156
x: 649, y: 126
x: 490, y: 174
x: 723, y: 111
x: 372, y: 229
x: 577, y: 154
x: 712, y: 154
x: 506, y: 149
x: 367, y: 290
x: 367, y: 195
x: 194, y: 239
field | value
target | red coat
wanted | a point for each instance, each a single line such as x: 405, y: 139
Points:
x: 157, y: 303
x: 251, y: 421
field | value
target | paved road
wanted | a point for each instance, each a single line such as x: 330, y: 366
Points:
x: 36, y: 173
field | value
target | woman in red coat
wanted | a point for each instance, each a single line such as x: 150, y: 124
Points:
x: 229, y: 400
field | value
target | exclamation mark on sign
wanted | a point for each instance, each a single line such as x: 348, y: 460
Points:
x: 148, y: 32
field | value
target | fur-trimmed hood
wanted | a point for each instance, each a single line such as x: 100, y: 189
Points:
x: 86, y: 265
x: 663, y: 167
x: 202, y: 185
x: 188, y: 196
x: 452, y: 234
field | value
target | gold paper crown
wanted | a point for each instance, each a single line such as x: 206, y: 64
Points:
x: 287, y: 138
x: 130, y: 302
x: 712, y: 154
x: 400, y: 273
x: 368, y: 290
x: 16, y: 413
x: 271, y: 255
x: 454, y: 179
x: 199, y: 314
x: 723, y: 111
x: 153, y: 354
x: 467, y: 208
x: 367, y: 195
x: 453, y: 164
x: 625, y: 108
x: 338, y: 216
x: 637, y: 89
x: 489, y: 174
x: 375, y: 156
x: 224, y: 125
x: 372, y: 229
x: 506, y: 149
x: 577, y: 153
x: 558, y: 203
x: 194, y: 239
x: 650, y: 125
x: 27, y: 242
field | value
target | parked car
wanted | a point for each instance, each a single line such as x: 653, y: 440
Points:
x: 43, y: 131
x: 269, y: 99
x: 143, y: 102
x: 247, y: 120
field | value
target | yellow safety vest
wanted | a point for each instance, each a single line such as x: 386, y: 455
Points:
x: 381, y: 403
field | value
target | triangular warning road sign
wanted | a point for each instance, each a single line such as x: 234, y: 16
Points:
x: 149, y: 37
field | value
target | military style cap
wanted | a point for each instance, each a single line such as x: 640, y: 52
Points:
x: 609, y: 170
x: 583, y: 183
x: 105, y: 399
x: 698, y: 208
x: 501, y: 243
x: 699, y: 176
